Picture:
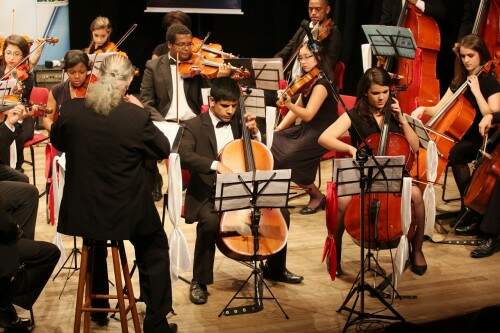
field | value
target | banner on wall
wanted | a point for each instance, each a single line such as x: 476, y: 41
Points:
x: 36, y: 19
x: 195, y: 6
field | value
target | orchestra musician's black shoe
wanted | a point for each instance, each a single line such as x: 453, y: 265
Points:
x: 419, y: 270
x: 100, y: 318
x: 198, y: 293
x: 172, y: 328
x: 468, y: 230
x: 311, y: 210
x: 286, y: 276
x: 487, y: 248
x: 11, y: 322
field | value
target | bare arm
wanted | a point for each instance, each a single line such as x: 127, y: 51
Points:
x: 330, y: 137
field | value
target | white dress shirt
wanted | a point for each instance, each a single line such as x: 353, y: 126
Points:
x: 13, y: 148
x: 185, y: 112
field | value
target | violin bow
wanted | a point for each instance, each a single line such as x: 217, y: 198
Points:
x: 177, y: 87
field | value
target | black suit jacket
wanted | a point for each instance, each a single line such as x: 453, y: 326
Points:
x: 106, y: 193
x: 157, y: 89
x: 198, y: 149
x: 331, y: 46
x: 392, y: 8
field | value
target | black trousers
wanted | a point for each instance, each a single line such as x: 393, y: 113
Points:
x: 37, y: 261
x: 204, y: 250
x: 462, y: 153
x: 21, y: 200
x: 153, y: 263
x: 491, y: 220
x: 28, y: 128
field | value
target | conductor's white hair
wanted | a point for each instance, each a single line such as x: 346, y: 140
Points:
x: 107, y: 92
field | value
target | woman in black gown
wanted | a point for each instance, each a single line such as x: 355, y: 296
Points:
x: 296, y: 146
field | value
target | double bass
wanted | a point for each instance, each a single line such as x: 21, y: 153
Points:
x: 250, y: 155
x: 487, y: 25
x: 386, y: 230
x: 418, y: 84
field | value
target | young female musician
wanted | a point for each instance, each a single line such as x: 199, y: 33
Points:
x: 484, y: 96
x: 15, y: 48
x: 296, y: 146
x: 76, y: 65
x: 100, y: 32
x: 364, y: 119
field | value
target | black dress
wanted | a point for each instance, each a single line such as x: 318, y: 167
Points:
x: 297, y: 147
x: 61, y: 93
x: 367, y: 126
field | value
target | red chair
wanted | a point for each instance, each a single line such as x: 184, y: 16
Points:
x: 338, y: 75
x: 38, y: 96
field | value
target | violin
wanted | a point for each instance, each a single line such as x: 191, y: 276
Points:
x: 211, y: 50
x: 81, y: 91
x: 302, y: 85
x: 105, y: 48
x: 209, y: 68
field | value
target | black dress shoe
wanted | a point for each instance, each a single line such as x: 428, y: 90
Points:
x: 286, y: 277
x: 11, y: 322
x: 419, y: 270
x: 172, y: 328
x: 198, y: 293
x: 311, y: 210
x: 100, y: 318
x: 468, y: 230
x: 487, y: 248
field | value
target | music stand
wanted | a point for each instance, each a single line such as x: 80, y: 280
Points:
x: 390, y: 40
x: 253, y: 190
x: 362, y: 176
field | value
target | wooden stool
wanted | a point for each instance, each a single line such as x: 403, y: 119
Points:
x: 85, y: 283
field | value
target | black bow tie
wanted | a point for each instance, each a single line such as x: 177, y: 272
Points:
x: 171, y: 61
x: 222, y: 124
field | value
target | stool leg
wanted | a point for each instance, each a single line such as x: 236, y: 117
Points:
x: 119, y: 289
x: 81, y: 285
x: 130, y: 290
x: 88, y: 290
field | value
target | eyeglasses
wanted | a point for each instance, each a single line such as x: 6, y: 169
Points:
x: 303, y: 58
x: 183, y: 45
x: 15, y: 54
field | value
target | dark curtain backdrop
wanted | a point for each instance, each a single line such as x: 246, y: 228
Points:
x: 262, y: 31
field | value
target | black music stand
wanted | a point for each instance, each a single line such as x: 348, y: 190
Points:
x: 390, y: 40
x: 362, y: 176
x: 252, y: 190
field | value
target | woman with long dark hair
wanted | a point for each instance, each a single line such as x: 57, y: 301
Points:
x: 484, y: 96
x: 366, y: 118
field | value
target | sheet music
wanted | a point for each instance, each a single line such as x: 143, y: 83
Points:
x: 7, y: 87
x: 346, y: 174
x: 255, y: 103
x: 419, y: 129
x: 231, y: 194
x: 390, y: 40
x: 268, y: 72
x: 169, y: 129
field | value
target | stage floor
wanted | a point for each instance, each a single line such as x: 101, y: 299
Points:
x: 454, y: 283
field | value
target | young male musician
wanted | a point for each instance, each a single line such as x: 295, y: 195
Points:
x: 319, y: 12
x: 204, y: 138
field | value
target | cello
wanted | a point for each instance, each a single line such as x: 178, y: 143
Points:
x: 386, y: 230
x: 451, y: 121
x: 484, y: 178
x: 250, y: 155
x: 417, y: 84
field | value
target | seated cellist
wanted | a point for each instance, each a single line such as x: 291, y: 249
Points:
x: 484, y: 96
x: 373, y: 98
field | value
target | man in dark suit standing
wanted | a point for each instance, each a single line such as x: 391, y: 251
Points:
x: 319, y: 12
x: 204, y: 137
x: 106, y: 138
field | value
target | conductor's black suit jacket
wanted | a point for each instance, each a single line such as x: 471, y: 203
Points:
x: 106, y: 195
